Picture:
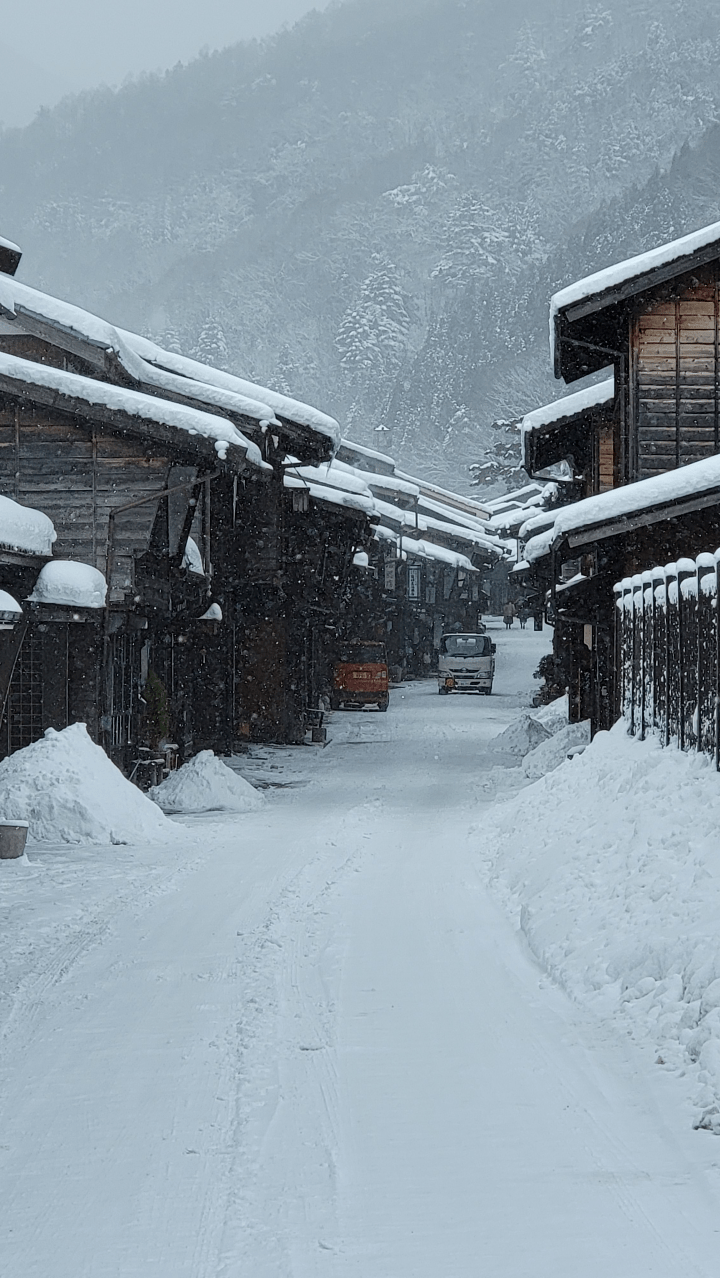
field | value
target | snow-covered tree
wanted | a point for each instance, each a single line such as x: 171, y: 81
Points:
x: 170, y: 340
x: 474, y: 241
x: 211, y: 347
x: 372, y: 337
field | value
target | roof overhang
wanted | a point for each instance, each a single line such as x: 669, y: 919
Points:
x: 589, y: 332
x: 115, y: 422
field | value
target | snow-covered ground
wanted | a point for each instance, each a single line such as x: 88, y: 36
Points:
x: 308, y: 1040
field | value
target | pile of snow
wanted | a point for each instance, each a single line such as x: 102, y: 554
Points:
x: 9, y: 606
x: 523, y: 735
x: 206, y: 784
x: 192, y: 559
x: 555, y: 749
x: 618, y: 894
x: 68, y: 791
x: 22, y: 528
x: 554, y: 715
x: 70, y: 584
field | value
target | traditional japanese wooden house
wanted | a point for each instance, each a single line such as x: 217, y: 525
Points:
x: 657, y: 319
x: 233, y: 504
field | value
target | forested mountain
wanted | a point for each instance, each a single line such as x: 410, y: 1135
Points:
x: 371, y: 208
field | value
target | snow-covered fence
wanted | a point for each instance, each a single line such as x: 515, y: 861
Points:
x: 668, y: 646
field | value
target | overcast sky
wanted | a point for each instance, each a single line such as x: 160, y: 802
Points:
x: 49, y: 48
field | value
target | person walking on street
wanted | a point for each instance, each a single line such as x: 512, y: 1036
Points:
x: 509, y: 612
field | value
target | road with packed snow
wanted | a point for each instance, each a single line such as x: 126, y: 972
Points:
x: 307, y: 1041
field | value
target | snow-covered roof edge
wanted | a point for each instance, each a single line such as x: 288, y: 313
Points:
x: 632, y: 268
x: 292, y: 409
x: 146, y: 362
x: 177, y: 416
x: 673, y: 486
x: 570, y: 406
x: 8, y: 244
x: 371, y: 453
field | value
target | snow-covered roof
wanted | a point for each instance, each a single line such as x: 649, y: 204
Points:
x: 381, y: 533
x: 332, y: 496
x: 452, y: 514
x: 25, y: 529
x: 149, y: 364
x: 443, y: 495
x: 70, y: 584
x: 135, y: 404
x: 518, y: 497
x: 514, y: 519
x: 428, y: 550
x: 571, y: 406
x: 634, y: 269
x: 8, y: 244
x: 282, y: 405
x: 391, y: 484
x: 674, y: 486
x: 348, y: 447
x: 537, y: 523
x: 334, y: 476
x: 539, y: 546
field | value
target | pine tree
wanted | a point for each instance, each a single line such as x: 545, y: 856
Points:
x: 372, y: 337
x: 171, y: 341
x: 211, y: 345
x: 474, y: 241
x: 285, y: 376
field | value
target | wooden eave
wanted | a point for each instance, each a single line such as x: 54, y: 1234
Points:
x: 547, y: 445
x: 591, y: 333
x: 22, y: 559
x: 113, y: 421
x: 64, y: 339
x: 623, y: 524
x: 309, y: 446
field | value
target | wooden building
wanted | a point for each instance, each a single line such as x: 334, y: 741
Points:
x: 656, y: 318
x: 133, y: 453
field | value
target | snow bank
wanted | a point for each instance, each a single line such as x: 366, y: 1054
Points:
x: 530, y: 732
x: 555, y: 714
x: 618, y: 891
x: 68, y: 791
x: 70, y: 584
x: 206, y: 784
x: 549, y: 754
x: 523, y: 734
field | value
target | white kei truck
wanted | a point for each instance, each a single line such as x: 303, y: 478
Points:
x: 466, y: 663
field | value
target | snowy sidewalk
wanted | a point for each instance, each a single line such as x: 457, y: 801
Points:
x: 307, y: 1042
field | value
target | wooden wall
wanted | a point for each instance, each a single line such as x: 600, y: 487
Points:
x: 675, y: 378
x: 76, y: 476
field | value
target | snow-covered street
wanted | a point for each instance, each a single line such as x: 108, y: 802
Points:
x: 308, y: 1041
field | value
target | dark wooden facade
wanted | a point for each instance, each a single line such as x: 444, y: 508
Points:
x: 659, y: 326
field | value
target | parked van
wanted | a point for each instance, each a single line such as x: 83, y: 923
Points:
x: 466, y: 664
x: 361, y: 676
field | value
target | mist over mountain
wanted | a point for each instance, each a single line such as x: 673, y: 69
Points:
x: 370, y: 209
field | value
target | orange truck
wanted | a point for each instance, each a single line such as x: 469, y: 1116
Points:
x: 361, y: 676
